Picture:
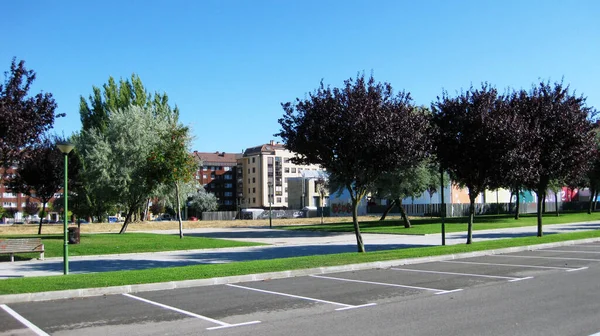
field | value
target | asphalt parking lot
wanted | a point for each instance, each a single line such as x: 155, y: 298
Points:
x: 244, y: 306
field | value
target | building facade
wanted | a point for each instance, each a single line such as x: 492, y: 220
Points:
x: 267, y: 177
x: 218, y: 175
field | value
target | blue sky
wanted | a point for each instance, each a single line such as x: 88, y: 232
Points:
x: 229, y: 64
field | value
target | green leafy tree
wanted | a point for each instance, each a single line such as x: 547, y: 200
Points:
x: 23, y: 119
x: 172, y: 165
x: 403, y: 183
x: 357, y: 132
x: 117, y: 161
x: 203, y: 201
x: 95, y: 113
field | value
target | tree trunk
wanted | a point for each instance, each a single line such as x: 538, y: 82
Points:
x: 594, y: 202
x: 517, y: 204
x: 556, y: 203
x: 127, y: 220
x: 540, y: 203
x: 589, y: 210
x: 179, y: 210
x: 359, y: 241
x: 471, y: 217
x: 146, y: 210
x: 387, y: 210
x: 544, y: 203
x: 403, y: 213
x: 42, y: 218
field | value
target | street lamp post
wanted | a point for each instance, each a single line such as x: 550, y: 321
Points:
x: 270, y: 184
x: 66, y: 148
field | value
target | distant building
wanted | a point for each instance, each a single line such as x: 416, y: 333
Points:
x: 268, y: 169
x: 218, y: 176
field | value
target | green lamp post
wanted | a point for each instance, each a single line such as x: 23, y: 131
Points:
x: 66, y: 148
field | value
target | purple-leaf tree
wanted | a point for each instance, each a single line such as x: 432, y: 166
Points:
x: 23, y: 118
x: 356, y: 132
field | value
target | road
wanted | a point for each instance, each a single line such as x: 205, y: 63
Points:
x: 544, y: 292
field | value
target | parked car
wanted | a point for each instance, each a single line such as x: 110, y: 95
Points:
x: 193, y: 219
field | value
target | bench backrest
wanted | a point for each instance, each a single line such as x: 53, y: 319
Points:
x: 21, y: 245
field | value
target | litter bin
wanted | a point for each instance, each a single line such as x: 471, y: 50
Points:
x: 73, y: 235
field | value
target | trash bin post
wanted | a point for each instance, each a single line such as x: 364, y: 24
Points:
x: 73, y: 235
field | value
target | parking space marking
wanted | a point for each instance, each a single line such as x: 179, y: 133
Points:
x: 345, y: 306
x: 439, y: 291
x: 185, y: 312
x: 568, y: 269
x: 23, y: 320
x: 510, y: 279
x: 565, y: 251
x: 540, y: 257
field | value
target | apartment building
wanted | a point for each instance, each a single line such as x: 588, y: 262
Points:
x: 268, y: 170
x: 218, y: 176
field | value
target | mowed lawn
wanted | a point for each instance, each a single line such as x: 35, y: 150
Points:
x: 112, y: 243
x: 422, y: 226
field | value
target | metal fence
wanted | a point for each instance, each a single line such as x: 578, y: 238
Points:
x: 219, y: 215
x: 461, y: 209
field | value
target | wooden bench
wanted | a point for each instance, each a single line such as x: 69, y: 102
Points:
x: 21, y: 245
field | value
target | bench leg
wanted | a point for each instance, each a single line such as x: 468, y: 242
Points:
x: 12, y: 257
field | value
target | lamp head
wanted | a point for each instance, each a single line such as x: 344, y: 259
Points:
x: 65, y: 147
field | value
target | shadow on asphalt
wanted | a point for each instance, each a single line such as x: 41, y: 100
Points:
x: 214, y: 257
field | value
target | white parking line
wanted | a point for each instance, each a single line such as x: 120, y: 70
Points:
x: 439, y: 291
x: 568, y: 269
x: 185, y: 312
x: 23, y: 320
x: 345, y: 306
x: 536, y: 257
x: 510, y: 279
x: 565, y: 251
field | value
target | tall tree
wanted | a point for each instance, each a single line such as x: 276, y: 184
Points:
x: 23, y: 119
x: 95, y: 113
x: 116, y: 161
x: 561, y: 132
x: 203, y: 201
x: 357, y: 132
x: 466, y: 139
x: 171, y: 163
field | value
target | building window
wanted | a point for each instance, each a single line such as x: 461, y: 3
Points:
x: 253, y: 169
x: 286, y: 160
x: 270, y: 160
x: 254, y: 180
x: 248, y: 190
x: 278, y: 199
x: 286, y: 170
x: 253, y: 190
x: 9, y: 194
x: 212, y: 176
x: 228, y: 177
x: 227, y: 168
x: 293, y: 170
x: 248, y: 180
x: 286, y: 200
x: 228, y: 194
x: 228, y: 185
x: 253, y: 160
x: 248, y: 170
x: 205, y: 167
x: 203, y: 175
x: 228, y: 202
x: 253, y: 200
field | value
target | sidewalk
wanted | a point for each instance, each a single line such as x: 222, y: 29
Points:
x: 283, y: 244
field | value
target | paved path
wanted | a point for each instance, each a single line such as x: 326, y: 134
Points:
x: 284, y: 243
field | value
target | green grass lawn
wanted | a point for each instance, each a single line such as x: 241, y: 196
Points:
x: 106, y: 279
x: 112, y: 243
x: 455, y: 224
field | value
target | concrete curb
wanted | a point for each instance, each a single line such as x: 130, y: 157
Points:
x: 88, y: 292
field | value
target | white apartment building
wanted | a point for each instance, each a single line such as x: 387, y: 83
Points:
x: 268, y: 169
